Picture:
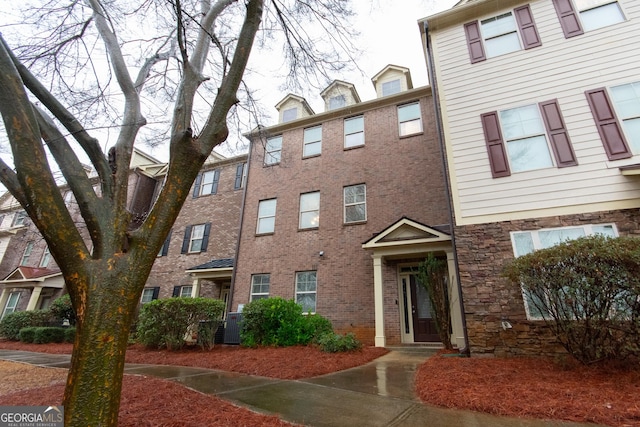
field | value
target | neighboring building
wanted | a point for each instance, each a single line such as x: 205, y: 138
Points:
x: 31, y: 277
x: 198, y: 256
x: 341, y: 206
x: 539, y: 104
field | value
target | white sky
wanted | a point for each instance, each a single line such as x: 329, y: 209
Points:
x: 389, y: 34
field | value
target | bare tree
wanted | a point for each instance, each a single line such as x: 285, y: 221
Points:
x: 74, y: 75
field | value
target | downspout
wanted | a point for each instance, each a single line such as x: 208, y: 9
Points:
x: 235, y: 260
x: 447, y: 188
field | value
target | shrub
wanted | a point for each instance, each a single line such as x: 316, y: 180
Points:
x: 166, y: 322
x: 48, y: 334
x: 28, y: 334
x: 62, y: 309
x: 279, y: 322
x: 12, y: 323
x: 588, y: 292
x: 70, y: 334
x: 334, y: 343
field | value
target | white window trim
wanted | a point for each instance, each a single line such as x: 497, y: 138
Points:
x: 186, y: 291
x: 269, y: 157
x: 46, y: 257
x: 307, y: 143
x: 7, y: 307
x: 145, y: 291
x: 260, y: 294
x: 193, y: 239
x: 27, y: 253
x: 485, y: 38
x: 419, y: 119
x: 588, y: 231
x: 261, y: 217
x: 361, y: 117
x: 345, y: 204
x: 308, y: 292
x: 307, y: 211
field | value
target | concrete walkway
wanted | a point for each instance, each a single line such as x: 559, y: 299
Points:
x: 379, y: 393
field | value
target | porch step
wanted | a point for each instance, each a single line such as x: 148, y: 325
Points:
x: 416, y: 348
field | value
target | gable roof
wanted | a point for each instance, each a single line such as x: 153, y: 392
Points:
x: 31, y: 274
x: 215, y: 264
x: 392, y: 67
x: 349, y: 86
x: 297, y: 98
x: 406, y: 230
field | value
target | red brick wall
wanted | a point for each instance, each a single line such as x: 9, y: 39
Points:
x: 403, y: 177
x: 223, y: 211
x: 483, y: 251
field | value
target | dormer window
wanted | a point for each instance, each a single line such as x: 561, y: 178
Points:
x: 290, y: 114
x: 337, y: 102
x: 391, y: 87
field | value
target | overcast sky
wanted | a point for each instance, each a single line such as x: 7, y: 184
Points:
x: 389, y: 34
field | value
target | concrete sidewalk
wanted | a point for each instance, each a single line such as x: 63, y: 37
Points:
x: 379, y: 393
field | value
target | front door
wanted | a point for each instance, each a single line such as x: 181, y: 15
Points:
x: 424, y: 326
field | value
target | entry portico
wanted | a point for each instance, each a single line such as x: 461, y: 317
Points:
x: 407, y: 242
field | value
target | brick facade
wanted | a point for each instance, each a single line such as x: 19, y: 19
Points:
x: 403, y: 177
x: 222, y: 210
x: 483, y: 250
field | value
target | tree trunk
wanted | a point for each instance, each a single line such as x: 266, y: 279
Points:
x: 92, y: 394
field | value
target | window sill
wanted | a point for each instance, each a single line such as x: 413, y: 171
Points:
x: 271, y: 233
x: 311, y: 156
x: 410, y: 135
x: 353, y: 148
x: 308, y: 229
x: 354, y: 223
x: 265, y: 165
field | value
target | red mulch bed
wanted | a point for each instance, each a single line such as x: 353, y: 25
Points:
x: 533, y: 388
x: 183, y: 407
x: 158, y: 403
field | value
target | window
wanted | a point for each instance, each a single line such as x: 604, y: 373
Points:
x: 312, y: 141
x: 186, y: 291
x: 354, y: 132
x: 12, y: 303
x: 260, y: 284
x: 501, y: 34
x: 26, y: 254
x: 164, y: 250
x: 149, y: 294
x: 310, y: 210
x: 206, y: 183
x: 306, y: 288
x: 525, y: 242
x: 273, y: 150
x: 266, y: 216
x: 391, y: 87
x: 355, y: 203
x: 290, y: 114
x: 626, y: 99
x: 610, y: 128
x: 19, y: 218
x: 46, y: 257
x: 337, y: 102
x: 241, y: 176
x: 578, y: 16
x: 196, y: 238
x: 409, y: 119
x: 518, y: 139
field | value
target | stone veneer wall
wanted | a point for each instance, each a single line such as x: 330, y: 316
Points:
x: 483, y: 250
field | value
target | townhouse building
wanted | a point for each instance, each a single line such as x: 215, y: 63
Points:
x: 539, y: 105
x: 31, y: 279
x: 342, y: 205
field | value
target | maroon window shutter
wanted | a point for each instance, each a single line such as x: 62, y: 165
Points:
x: 530, y: 36
x: 474, y: 41
x: 495, y: 145
x: 560, y: 142
x: 608, y: 125
x: 568, y: 16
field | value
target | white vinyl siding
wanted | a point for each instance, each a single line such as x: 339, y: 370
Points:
x: 563, y: 70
